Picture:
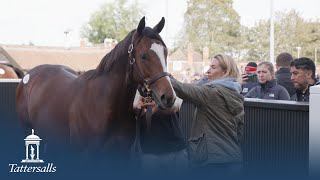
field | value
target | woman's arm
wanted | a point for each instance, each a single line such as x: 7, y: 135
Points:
x: 189, y: 92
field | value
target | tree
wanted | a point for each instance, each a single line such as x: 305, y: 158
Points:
x: 311, y: 38
x: 213, y: 24
x: 291, y: 31
x: 256, y: 42
x: 113, y: 20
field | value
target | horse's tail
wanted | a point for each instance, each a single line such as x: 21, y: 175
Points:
x: 19, y: 72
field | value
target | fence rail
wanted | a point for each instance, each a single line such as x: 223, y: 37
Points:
x: 276, y: 133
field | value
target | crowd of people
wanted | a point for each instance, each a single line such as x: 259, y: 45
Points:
x: 291, y: 81
x: 214, y: 145
x: 288, y: 79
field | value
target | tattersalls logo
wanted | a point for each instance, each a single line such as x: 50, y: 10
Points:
x: 32, y: 163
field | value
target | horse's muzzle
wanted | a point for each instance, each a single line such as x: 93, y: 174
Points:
x: 166, y: 102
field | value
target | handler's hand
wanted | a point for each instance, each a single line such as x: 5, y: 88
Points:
x: 144, y: 105
x: 244, y: 78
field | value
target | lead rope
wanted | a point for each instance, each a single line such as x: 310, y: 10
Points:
x: 136, y: 151
x: 148, y: 115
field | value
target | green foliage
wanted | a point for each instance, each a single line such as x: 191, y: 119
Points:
x: 214, y: 24
x: 113, y: 20
x: 291, y: 31
x: 256, y: 41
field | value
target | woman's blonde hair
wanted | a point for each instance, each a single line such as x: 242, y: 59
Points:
x: 229, y: 66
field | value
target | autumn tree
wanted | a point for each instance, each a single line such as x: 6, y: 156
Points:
x: 113, y: 20
x: 256, y: 42
x: 291, y: 31
x: 213, y: 24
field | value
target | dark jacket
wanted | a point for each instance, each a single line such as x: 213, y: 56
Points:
x: 246, y: 87
x: 303, y: 97
x: 270, y: 90
x: 283, y: 77
x: 164, y: 136
x: 218, y: 121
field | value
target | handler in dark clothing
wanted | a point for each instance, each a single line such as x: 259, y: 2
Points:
x: 163, y: 146
x: 303, y: 75
x: 268, y: 87
x: 283, y: 72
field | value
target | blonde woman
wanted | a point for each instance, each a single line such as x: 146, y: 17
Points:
x: 214, y: 144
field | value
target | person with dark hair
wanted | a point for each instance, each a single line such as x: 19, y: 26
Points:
x: 249, y: 78
x: 283, y: 74
x: 268, y: 87
x: 303, y: 75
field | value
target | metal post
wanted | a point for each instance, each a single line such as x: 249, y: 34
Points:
x: 298, y: 49
x: 315, y: 56
x: 271, y: 33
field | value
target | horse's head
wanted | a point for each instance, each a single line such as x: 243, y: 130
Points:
x: 148, y: 59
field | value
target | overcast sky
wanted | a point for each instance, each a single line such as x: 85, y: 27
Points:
x: 43, y: 22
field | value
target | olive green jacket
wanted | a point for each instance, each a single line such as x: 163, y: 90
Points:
x: 218, y: 121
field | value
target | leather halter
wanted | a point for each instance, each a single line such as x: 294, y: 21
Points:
x: 147, y: 93
x: 146, y: 81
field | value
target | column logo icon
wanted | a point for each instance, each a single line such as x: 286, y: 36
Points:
x: 32, y: 143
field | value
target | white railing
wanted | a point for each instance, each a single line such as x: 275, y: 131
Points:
x: 314, y: 131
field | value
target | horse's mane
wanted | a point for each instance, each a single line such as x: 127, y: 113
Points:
x: 116, y: 53
x: 122, y: 48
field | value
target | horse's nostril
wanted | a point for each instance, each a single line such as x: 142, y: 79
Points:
x: 166, y: 101
x: 163, y: 99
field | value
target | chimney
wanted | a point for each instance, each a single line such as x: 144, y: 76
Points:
x: 82, y: 43
x: 205, y: 54
x: 190, y: 54
x: 107, y: 43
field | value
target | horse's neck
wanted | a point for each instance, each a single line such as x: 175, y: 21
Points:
x: 124, y: 81
x: 118, y: 78
x: 113, y: 72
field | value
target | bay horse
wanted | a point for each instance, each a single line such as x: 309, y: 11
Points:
x: 93, y: 112
x: 8, y: 71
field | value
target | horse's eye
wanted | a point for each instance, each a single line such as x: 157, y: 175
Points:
x: 144, y: 56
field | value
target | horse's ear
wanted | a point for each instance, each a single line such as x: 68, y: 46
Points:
x: 141, y: 25
x: 158, y: 28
